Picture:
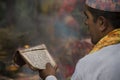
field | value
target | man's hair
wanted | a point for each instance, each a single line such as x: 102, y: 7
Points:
x: 112, y: 17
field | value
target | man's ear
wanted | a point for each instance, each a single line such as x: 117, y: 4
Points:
x: 102, y: 22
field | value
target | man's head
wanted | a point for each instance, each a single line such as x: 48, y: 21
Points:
x: 102, y: 20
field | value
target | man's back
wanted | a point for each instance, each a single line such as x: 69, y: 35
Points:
x: 101, y: 65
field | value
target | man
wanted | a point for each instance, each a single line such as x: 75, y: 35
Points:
x: 103, y: 20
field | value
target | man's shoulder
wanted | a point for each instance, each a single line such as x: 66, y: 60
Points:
x: 106, y: 59
x: 108, y: 50
x: 101, y: 55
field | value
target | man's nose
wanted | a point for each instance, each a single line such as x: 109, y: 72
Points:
x: 86, y: 22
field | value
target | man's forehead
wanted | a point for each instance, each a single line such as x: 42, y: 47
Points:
x: 85, y: 9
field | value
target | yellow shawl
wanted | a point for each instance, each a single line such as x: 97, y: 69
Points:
x: 110, y: 39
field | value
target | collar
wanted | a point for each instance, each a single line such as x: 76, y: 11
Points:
x: 110, y: 39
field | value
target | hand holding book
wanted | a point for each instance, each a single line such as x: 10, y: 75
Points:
x: 36, y: 57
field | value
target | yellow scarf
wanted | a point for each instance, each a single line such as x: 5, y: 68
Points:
x: 110, y: 39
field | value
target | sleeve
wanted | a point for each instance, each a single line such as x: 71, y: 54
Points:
x: 51, y: 77
x: 77, y: 75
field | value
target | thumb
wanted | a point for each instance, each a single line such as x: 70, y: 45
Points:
x: 48, y: 65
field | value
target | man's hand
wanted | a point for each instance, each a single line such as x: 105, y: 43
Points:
x: 48, y: 71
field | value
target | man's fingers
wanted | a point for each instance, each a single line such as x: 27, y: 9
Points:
x: 50, y: 70
x: 48, y: 65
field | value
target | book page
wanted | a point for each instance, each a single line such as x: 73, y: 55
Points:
x: 38, y: 58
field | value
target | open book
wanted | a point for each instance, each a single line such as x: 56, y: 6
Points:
x: 37, y: 56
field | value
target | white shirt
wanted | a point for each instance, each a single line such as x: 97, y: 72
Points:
x: 101, y: 65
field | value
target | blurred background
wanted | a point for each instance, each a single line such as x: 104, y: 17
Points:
x: 59, y: 24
